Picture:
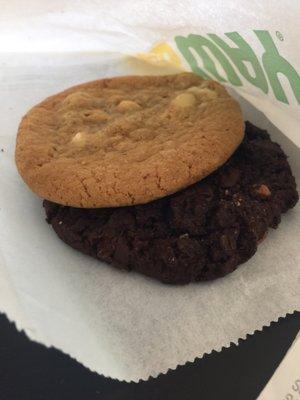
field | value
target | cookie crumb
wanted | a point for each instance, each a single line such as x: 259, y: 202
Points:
x: 184, y: 236
x: 237, y: 200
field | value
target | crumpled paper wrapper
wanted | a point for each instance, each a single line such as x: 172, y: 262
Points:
x: 118, y: 324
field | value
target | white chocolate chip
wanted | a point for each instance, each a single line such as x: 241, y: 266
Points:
x: 128, y: 105
x: 209, y: 94
x: 194, y: 89
x: 79, y: 139
x: 203, y: 93
x: 206, y: 83
x: 78, y: 100
x: 184, y: 100
x: 115, y: 99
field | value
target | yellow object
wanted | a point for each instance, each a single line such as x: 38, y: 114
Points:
x: 161, y: 54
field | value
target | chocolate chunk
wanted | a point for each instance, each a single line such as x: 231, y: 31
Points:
x: 228, y: 243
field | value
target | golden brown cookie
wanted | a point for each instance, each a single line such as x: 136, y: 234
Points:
x: 127, y: 140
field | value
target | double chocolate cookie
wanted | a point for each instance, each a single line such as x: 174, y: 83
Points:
x: 200, y: 233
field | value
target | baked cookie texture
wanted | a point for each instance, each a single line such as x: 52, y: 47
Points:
x: 127, y: 140
x: 200, y: 233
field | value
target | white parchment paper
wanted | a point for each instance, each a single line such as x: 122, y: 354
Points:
x: 124, y: 325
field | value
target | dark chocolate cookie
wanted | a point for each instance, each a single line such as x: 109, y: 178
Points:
x: 200, y: 233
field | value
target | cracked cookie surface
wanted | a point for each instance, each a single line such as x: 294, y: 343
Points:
x: 202, y: 232
x: 127, y: 140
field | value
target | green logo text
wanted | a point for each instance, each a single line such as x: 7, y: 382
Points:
x: 261, y: 73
